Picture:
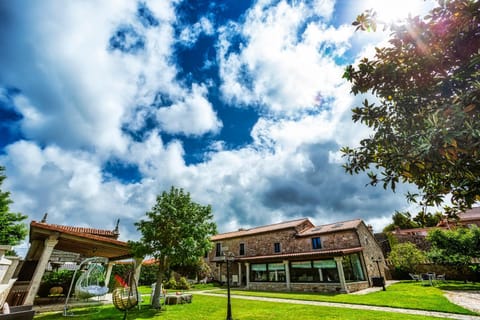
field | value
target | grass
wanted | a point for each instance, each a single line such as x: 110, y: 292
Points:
x: 408, y: 294
x: 209, y: 308
x: 458, y: 285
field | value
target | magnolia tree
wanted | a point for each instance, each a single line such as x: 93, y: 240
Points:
x: 176, y: 231
x: 425, y: 118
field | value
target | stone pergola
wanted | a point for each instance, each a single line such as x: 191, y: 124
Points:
x: 44, y: 238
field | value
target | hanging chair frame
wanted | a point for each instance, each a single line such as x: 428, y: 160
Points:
x: 84, y: 262
x: 127, y: 297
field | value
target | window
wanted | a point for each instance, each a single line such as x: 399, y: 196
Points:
x: 316, y: 243
x: 276, y: 247
x: 327, y: 270
x: 259, y: 272
x: 302, y: 271
x: 276, y: 272
x: 314, y: 271
x: 218, y: 250
x: 352, y: 268
x: 242, y: 249
x: 271, y: 272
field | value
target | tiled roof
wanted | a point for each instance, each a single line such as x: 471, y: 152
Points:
x: 92, y: 231
x: 77, y: 232
x: 333, y: 227
x: 472, y: 214
x: 334, y: 252
x: 415, y: 231
x: 262, y: 229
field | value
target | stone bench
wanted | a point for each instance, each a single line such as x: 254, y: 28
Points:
x: 178, y: 298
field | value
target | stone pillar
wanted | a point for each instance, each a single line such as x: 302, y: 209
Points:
x: 138, y: 268
x: 247, y: 267
x: 287, y: 273
x: 239, y: 274
x: 109, y: 273
x: 48, y: 246
x: 341, y: 275
x: 11, y: 268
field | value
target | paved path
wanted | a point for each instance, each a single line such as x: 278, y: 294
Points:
x: 349, y: 306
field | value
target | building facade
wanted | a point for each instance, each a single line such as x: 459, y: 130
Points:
x: 298, y: 256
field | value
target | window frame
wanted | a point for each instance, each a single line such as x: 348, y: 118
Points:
x: 316, y: 243
x: 277, y: 247
x: 241, y: 249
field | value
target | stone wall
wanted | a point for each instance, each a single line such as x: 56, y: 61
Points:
x: 371, y: 252
x: 308, y: 287
x: 263, y: 244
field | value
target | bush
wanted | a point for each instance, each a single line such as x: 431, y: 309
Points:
x: 183, y: 284
x: 406, y: 256
x: 148, y: 274
x: 171, y: 283
x: 60, y: 278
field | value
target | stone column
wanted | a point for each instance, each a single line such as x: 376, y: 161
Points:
x: 109, y: 273
x: 239, y: 274
x: 247, y: 267
x: 138, y: 268
x: 341, y: 275
x: 287, y: 273
x: 11, y: 269
x: 48, y: 246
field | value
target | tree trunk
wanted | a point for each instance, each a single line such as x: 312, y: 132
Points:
x: 158, y: 287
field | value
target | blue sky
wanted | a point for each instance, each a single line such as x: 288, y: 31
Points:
x: 105, y: 104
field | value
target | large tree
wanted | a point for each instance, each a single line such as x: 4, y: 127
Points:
x: 12, y: 230
x: 404, y: 220
x: 176, y: 231
x: 425, y: 117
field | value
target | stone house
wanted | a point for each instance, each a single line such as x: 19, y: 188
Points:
x: 298, y: 256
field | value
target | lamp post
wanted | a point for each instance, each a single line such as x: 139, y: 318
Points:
x: 229, y: 257
x: 378, y: 260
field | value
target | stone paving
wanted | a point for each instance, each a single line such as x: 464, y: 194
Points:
x: 468, y: 299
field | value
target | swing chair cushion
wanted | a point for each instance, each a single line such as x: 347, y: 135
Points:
x: 91, y: 283
x: 91, y: 291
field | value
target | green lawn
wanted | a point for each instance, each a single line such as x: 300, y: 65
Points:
x: 210, y: 308
x: 406, y: 294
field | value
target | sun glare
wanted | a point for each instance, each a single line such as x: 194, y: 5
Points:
x: 393, y: 10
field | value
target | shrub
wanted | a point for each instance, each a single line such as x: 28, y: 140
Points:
x: 406, y: 256
x: 183, y: 284
x: 171, y: 283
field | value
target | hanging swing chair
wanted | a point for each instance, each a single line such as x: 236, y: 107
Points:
x: 126, y: 297
x: 91, y: 283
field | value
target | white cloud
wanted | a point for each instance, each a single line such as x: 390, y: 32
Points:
x: 190, y: 34
x: 76, y: 97
x: 286, y: 72
x: 194, y: 115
